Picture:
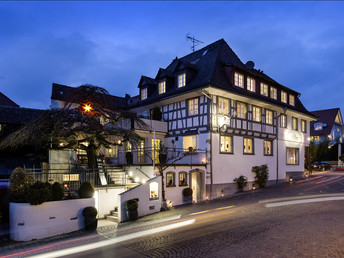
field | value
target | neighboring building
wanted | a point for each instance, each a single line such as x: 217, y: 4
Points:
x: 328, y: 126
x: 225, y: 115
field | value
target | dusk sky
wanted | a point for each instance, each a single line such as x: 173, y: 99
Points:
x: 111, y: 44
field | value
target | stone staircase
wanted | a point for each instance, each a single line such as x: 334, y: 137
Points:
x: 113, y: 216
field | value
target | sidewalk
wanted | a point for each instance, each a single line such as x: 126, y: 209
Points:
x: 109, y: 229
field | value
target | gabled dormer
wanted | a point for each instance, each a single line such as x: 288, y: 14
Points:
x: 165, y: 81
x: 184, y: 72
x: 147, y: 87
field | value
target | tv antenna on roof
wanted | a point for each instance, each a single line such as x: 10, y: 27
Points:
x: 195, y: 42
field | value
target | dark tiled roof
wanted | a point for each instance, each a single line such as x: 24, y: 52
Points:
x: 210, y: 64
x: 60, y: 92
x: 17, y: 115
x: 6, y: 102
x: 327, y: 116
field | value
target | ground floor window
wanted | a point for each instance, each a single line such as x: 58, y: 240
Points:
x: 155, y: 150
x: 141, y: 151
x: 154, y: 191
x: 170, y: 179
x: 182, y: 179
x: 292, y: 156
x: 226, y: 145
x: 267, y: 148
x: 248, y: 146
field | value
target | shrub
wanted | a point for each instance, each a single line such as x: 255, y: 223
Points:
x: 131, y: 205
x: 20, y: 182
x: 89, y: 212
x: 39, y: 193
x: 57, y: 192
x: 262, y: 175
x: 187, y: 192
x: 86, y: 190
x: 241, y: 182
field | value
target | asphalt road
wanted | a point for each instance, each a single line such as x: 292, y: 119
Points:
x: 248, y: 227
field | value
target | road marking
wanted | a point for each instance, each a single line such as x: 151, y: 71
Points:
x: 328, y: 183
x: 278, y: 204
x: 87, y: 247
x: 221, y: 208
x: 305, y: 183
x: 329, y: 179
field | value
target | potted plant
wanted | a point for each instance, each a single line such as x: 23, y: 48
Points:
x: 187, y: 195
x: 86, y: 190
x: 90, y: 218
x: 240, y: 182
x: 131, y: 207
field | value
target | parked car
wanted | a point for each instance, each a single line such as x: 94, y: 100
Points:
x: 321, y: 166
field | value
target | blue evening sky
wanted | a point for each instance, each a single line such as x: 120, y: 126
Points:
x: 111, y: 44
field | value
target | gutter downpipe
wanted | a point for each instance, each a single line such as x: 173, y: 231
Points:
x: 277, y: 157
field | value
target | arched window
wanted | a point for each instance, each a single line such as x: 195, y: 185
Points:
x: 170, y: 179
x: 154, y: 191
x: 183, y: 179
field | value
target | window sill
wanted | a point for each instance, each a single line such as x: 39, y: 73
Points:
x: 224, y: 152
x: 248, y: 153
x: 183, y: 185
x: 170, y: 186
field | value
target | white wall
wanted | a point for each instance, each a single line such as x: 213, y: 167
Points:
x: 28, y: 222
x: 106, y: 199
x: 141, y: 192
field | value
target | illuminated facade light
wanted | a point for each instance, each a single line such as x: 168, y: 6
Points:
x: 130, y: 173
x: 137, y: 179
x: 87, y: 108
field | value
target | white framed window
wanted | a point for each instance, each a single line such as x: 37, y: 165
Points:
x: 241, y: 110
x: 162, y: 87
x: 192, y: 106
x: 264, y: 89
x: 248, y: 145
x: 257, y: 114
x: 303, y: 126
x: 292, y: 156
x: 283, y: 96
x: 189, y: 143
x: 144, y: 94
x: 183, y: 179
x: 294, y: 123
x: 154, y: 191
x: 170, y: 179
x: 238, y: 80
x: 181, y: 80
x: 223, y: 106
x: 283, y: 121
x: 273, y: 92
x: 318, y: 126
x: 226, y: 144
x: 269, y: 115
x: 291, y: 100
x: 251, y: 84
x: 267, y: 148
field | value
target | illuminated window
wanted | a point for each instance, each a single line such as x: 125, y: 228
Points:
x: 318, y: 126
x: 267, y: 148
x: 155, y: 150
x: 170, y: 179
x: 226, y: 144
x: 162, y: 87
x: 273, y: 93
x: 248, y: 146
x: 315, y: 138
x: 181, y: 80
x: 239, y: 80
x: 183, y: 179
x: 283, y: 96
x: 256, y: 114
x: 291, y: 100
x: 141, y: 151
x: 269, y: 117
x: 241, y: 110
x: 303, y: 126
x: 193, y: 106
x: 154, y: 191
x: 128, y: 146
x: 111, y: 152
x: 223, y: 106
x: 294, y: 123
x: 251, y: 84
x: 292, y: 156
x: 264, y: 89
x: 189, y: 142
x: 144, y: 94
x: 283, y: 121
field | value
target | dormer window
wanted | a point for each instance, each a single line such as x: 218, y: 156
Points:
x: 162, y: 87
x: 318, y: 126
x: 291, y: 100
x: 251, y: 84
x: 144, y: 94
x: 273, y: 93
x: 283, y: 96
x: 239, y: 80
x: 181, y: 80
x: 264, y: 89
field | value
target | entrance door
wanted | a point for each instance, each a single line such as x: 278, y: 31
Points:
x: 196, y: 186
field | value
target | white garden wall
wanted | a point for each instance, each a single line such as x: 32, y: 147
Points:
x: 28, y: 222
x: 107, y: 199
